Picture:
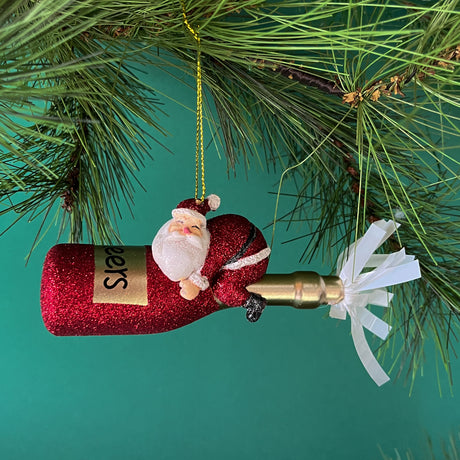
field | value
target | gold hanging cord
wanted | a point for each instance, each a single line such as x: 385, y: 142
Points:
x: 199, y: 155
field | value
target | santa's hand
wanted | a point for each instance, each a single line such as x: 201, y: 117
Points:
x: 188, y: 290
x: 254, y: 307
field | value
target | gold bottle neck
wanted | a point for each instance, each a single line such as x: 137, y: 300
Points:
x: 303, y: 290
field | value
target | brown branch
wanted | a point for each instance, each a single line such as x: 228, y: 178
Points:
x: 305, y: 78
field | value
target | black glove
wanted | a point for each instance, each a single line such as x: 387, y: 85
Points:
x: 255, y: 306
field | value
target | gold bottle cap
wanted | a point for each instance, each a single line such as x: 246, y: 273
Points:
x: 303, y: 290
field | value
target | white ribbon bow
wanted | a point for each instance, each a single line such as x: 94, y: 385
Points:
x: 361, y: 289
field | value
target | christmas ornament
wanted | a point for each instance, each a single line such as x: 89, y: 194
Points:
x: 197, y: 266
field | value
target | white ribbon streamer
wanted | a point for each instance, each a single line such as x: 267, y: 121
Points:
x: 361, y: 289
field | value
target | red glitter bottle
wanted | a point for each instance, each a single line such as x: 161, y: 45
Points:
x: 114, y: 290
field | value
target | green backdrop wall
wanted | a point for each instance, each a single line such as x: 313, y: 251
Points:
x: 288, y: 387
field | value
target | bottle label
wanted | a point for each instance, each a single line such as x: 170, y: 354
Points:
x: 120, y: 275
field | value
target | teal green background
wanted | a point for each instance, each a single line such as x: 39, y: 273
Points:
x: 288, y: 387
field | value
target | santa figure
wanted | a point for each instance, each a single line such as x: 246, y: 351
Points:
x: 224, y: 255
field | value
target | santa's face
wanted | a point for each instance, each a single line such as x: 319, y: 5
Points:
x: 180, y: 246
x: 187, y: 225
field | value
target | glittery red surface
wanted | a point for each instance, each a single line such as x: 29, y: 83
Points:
x: 229, y: 233
x: 68, y: 282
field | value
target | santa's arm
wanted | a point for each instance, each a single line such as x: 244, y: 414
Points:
x: 191, y: 286
x: 229, y: 287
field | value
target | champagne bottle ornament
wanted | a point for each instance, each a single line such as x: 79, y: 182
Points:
x: 196, y: 266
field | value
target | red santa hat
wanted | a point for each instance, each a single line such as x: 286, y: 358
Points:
x: 197, y: 208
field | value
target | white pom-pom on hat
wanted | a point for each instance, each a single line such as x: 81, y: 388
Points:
x: 213, y: 202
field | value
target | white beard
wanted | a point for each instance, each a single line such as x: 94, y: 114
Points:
x: 178, y: 256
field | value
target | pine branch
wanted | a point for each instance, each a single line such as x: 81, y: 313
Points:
x: 85, y: 106
x: 381, y: 96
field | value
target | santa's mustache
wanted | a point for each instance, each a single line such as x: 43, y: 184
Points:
x: 194, y: 240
